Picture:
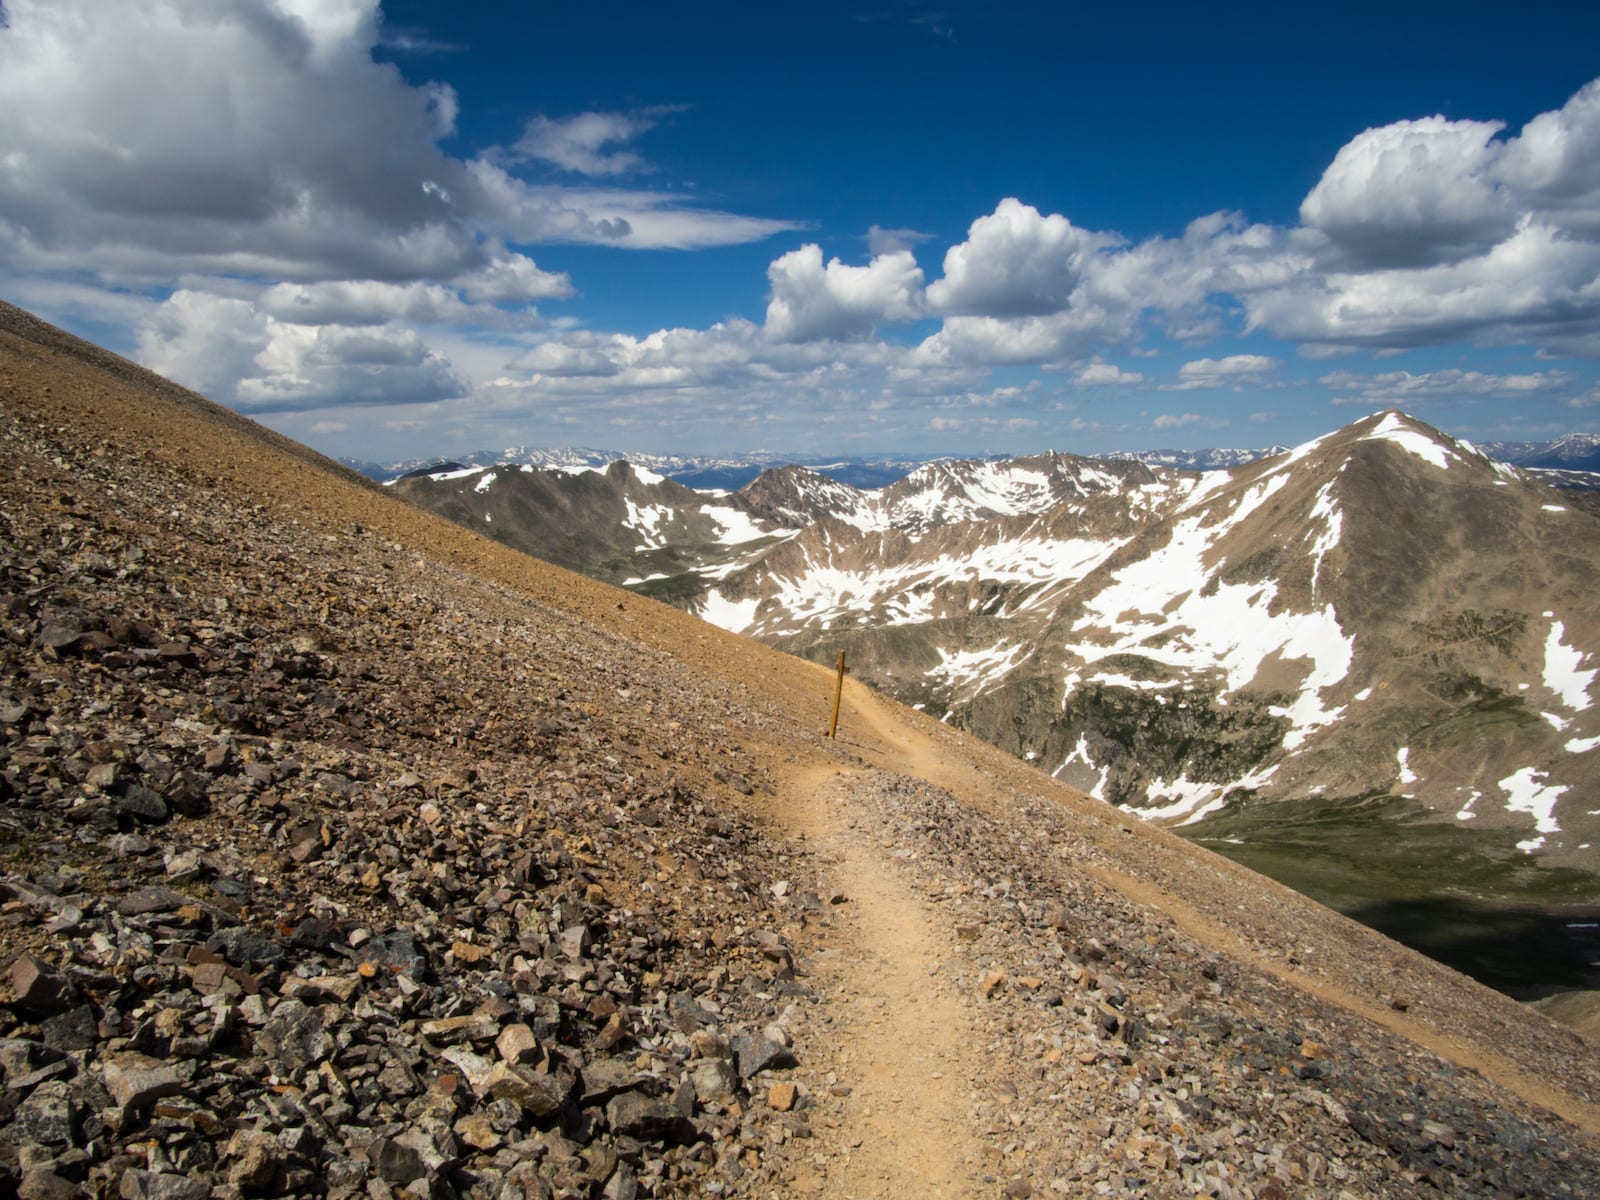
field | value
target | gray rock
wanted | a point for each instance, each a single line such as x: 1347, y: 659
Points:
x: 162, y: 1185
x: 540, y: 1095
x: 575, y: 941
x: 623, y: 1184
x: 633, y: 1114
x: 714, y: 1080
x: 42, y: 1183
x: 395, y: 1163
x: 146, y: 900
x: 143, y: 804
x: 687, y: 1013
x: 759, y: 1053
x: 735, y: 780
x: 184, y: 866
x: 48, y: 1117
x: 605, y: 1077
x: 21, y: 1057
x: 294, y: 1037
x: 75, y: 1029
x: 246, y: 947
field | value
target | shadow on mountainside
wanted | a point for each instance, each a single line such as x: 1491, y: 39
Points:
x: 1525, y: 953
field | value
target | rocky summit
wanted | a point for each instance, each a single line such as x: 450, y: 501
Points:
x: 345, y: 852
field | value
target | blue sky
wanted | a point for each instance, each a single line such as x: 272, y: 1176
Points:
x: 426, y: 228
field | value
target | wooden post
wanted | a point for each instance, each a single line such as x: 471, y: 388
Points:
x: 838, y: 694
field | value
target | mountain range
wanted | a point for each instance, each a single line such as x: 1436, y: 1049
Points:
x: 1571, y: 461
x: 708, y: 472
x: 1363, y: 665
x: 350, y: 853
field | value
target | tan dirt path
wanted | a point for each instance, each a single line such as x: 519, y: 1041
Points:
x: 901, y: 1033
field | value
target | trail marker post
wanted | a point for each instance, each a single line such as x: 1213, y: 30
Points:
x: 838, y: 694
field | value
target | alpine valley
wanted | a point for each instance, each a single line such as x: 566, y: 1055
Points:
x: 1363, y: 666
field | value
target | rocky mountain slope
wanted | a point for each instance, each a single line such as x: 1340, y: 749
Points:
x: 348, y: 853
x: 1364, y: 665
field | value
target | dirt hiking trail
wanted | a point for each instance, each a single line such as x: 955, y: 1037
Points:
x: 900, y: 1029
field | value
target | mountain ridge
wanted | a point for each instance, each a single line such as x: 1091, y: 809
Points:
x: 1573, y: 453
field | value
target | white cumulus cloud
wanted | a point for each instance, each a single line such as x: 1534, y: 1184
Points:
x: 1554, y: 164
x: 1183, y: 421
x: 1429, y: 231
x: 1016, y: 262
x: 1231, y: 371
x: 811, y: 301
x: 266, y: 142
x: 1412, y: 194
x: 239, y: 354
x: 1101, y: 374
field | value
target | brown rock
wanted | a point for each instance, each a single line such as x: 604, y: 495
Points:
x: 469, y: 952
x: 137, y: 1081
x: 517, y: 1045
x: 39, y: 988
x: 540, y: 1095
x: 41, y: 1183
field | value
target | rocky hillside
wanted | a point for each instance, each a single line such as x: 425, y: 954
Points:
x: 348, y: 853
x: 1363, y: 666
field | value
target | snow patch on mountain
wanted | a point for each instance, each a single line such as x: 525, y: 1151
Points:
x: 733, y: 615
x: 970, y: 673
x: 1562, y: 673
x: 458, y: 473
x: 1395, y: 428
x: 1327, y: 511
x: 1306, y: 449
x: 1188, y: 801
x: 984, y: 489
x: 1529, y: 791
x: 1170, y: 609
x: 1407, y: 775
x: 647, y: 520
x: 736, y: 527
